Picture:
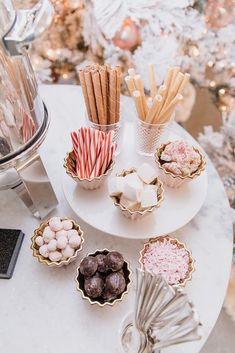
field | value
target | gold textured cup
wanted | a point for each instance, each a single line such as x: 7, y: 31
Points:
x: 134, y: 215
x: 46, y: 261
x: 172, y: 180
x: 180, y: 245
x: 85, y: 183
x: 102, y: 302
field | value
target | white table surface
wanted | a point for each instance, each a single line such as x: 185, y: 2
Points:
x: 40, y: 309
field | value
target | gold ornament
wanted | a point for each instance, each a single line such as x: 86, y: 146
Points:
x: 128, y: 37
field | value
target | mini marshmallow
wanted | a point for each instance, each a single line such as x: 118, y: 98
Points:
x: 39, y: 241
x: 130, y: 205
x: 52, y: 245
x: 133, y: 187
x: 67, y: 224
x: 43, y: 250
x: 72, y: 232
x: 146, y: 173
x: 115, y: 186
x: 48, y: 234
x: 55, y: 256
x: 55, y: 224
x: 74, y: 241
x: 149, y: 197
x: 67, y: 252
x: 61, y: 233
x: 62, y: 242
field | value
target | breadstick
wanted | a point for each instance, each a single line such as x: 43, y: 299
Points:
x: 169, y: 75
x: 184, y: 83
x: 154, y: 109
x: 167, y: 112
x: 98, y: 97
x: 152, y: 79
x: 84, y: 91
x: 104, y: 88
x: 139, y: 86
x: 138, y: 104
x: 91, y: 97
x: 130, y: 84
x: 112, y: 96
x: 118, y: 69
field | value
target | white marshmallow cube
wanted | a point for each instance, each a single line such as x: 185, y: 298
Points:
x: 74, y: 241
x: 67, y: 252
x: 62, y: 242
x: 149, y: 197
x: 129, y: 204
x: 67, y: 224
x: 146, y: 173
x: 52, y: 245
x: 133, y: 187
x: 55, y: 256
x: 115, y: 186
x: 43, y: 250
x: 39, y: 241
x: 55, y: 224
x: 48, y: 234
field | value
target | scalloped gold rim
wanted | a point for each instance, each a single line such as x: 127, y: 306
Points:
x: 192, y: 176
x: 60, y: 263
x: 148, y: 210
x: 85, y: 297
x: 191, y: 268
x: 70, y: 155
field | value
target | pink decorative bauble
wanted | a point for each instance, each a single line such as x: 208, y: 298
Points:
x: 220, y: 13
x: 128, y: 37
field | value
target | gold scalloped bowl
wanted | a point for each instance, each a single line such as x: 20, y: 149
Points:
x: 46, y: 261
x: 100, y: 301
x: 85, y: 183
x: 180, y: 245
x: 134, y: 215
x: 172, y: 180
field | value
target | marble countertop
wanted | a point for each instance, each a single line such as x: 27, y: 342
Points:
x: 40, y: 309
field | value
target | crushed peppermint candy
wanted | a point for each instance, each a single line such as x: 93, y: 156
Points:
x: 180, y: 158
x: 168, y: 259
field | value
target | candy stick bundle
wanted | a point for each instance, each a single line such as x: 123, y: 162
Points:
x: 101, y: 91
x: 93, y: 150
x: 158, y: 108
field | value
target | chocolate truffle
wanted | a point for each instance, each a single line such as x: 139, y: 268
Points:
x: 88, y: 266
x: 115, y: 283
x: 94, y: 286
x: 114, y: 260
x: 102, y: 266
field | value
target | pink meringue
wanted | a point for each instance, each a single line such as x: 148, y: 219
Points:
x: 52, y: 245
x: 74, y: 241
x: 67, y: 224
x: 39, y: 241
x: 72, y: 232
x: 67, y: 252
x: 55, y: 224
x: 48, y: 234
x: 62, y: 242
x: 61, y: 233
x: 43, y: 250
x: 55, y: 256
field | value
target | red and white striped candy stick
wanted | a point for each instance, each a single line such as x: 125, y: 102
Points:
x: 74, y: 137
x: 108, y: 152
x: 98, y: 152
x: 94, y: 149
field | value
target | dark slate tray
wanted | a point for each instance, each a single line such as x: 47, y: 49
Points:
x: 10, y: 244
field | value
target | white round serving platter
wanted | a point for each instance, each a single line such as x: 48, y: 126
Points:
x: 96, y: 208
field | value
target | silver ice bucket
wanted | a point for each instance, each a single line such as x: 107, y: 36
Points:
x: 23, y: 116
